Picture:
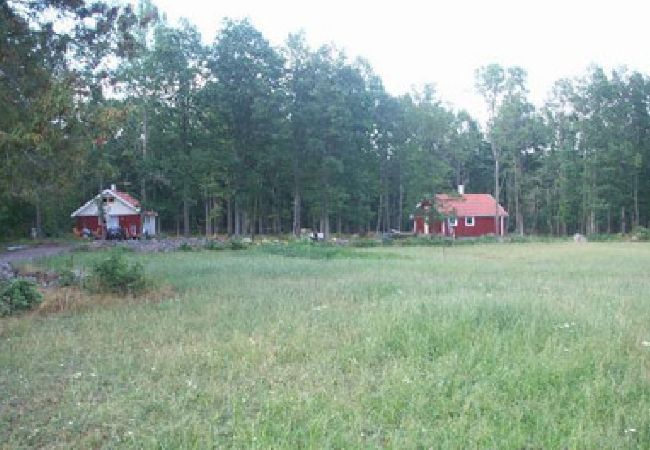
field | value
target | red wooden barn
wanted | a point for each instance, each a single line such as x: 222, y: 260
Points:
x: 121, y: 210
x: 462, y: 215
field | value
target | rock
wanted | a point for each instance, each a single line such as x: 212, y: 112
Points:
x: 7, y: 272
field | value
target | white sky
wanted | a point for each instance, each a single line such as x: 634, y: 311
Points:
x: 411, y: 42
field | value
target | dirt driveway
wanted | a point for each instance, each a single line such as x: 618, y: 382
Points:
x: 29, y: 253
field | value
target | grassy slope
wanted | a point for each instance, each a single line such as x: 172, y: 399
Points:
x: 485, y: 346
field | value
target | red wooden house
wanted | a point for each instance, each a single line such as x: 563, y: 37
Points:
x: 461, y: 215
x: 120, y: 210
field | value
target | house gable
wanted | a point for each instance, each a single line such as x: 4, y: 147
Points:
x: 121, y: 206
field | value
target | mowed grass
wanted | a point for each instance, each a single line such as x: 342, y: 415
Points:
x: 490, y: 346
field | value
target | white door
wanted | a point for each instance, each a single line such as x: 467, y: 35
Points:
x: 113, y: 222
x: 150, y: 225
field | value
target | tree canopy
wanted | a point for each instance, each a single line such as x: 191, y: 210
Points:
x: 243, y: 137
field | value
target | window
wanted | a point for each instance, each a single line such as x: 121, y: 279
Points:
x: 453, y: 222
x: 469, y: 221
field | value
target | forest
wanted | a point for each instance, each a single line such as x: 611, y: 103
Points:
x: 242, y: 137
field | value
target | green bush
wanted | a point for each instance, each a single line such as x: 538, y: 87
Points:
x: 365, y: 243
x: 433, y: 241
x: 604, y: 237
x: 315, y: 250
x: 185, y: 247
x: 641, y: 233
x: 18, y: 295
x: 115, y: 275
x: 237, y: 245
x: 214, y: 245
x: 68, y: 278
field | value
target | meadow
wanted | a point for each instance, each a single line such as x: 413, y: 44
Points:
x: 478, y: 346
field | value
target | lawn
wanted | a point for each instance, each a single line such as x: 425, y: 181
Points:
x: 481, y: 346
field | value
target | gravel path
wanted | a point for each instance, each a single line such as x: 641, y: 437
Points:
x: 28, y: 253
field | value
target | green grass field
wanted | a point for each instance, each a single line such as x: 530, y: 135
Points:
x: 484, y: 346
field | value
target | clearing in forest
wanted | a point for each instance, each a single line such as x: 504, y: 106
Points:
x: 478, y: 346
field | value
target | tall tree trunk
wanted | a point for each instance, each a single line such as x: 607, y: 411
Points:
x: 229, y: 212
x: 253, y: 219
x: 401, y: 207
x: 277, y: 226
x: 519, y: 217
x: 237, y: 218
x: 208, y: 220
x: 387, y: 213
x: 549, y: 212
x: 636, y: 200
x: 145, y: 136
x: 325, y: 224
x: 245, y: 222
x: 592, y: 222
x: 381, y: 200
x: 39, y: 219
x: 296, y: 211
x: 623, y: 224
x: 186, y: 215
x: 495, y: 153
x: 216, y: 219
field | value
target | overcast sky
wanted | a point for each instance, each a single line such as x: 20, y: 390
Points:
x: 410, y: 42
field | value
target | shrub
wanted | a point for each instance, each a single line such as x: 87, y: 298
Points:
x: 67, y: 278
x: 18, y: 295
x: 365, y: 243
x: 641, y: 233
x: 604, y: 237
x: 315, y: 250
x: 214, y: 245
x: 185, y: 247
x: 432, y: 241
x: 116, y: 275
x: 238, y: 245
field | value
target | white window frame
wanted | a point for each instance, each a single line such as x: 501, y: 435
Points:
x: 470, y: 221
x: 453, y: 222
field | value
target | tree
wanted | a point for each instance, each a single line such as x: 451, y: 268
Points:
x: 494, y: 83
x: 250, y: 72
x: 45, y: 95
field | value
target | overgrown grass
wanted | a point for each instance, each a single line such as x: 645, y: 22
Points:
x: 477, y: 346
x: 315, y: 250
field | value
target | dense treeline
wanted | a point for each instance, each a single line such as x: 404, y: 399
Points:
x: 241, y: 137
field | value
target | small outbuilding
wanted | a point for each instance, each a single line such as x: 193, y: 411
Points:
x: 460, y: 215
x: 119, y: 210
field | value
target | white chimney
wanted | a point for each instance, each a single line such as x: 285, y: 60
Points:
x: 113, y: 187
x: 461, y: 189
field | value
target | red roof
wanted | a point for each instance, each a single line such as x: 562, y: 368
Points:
x: 127, y: 198
x: 468, y: 205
